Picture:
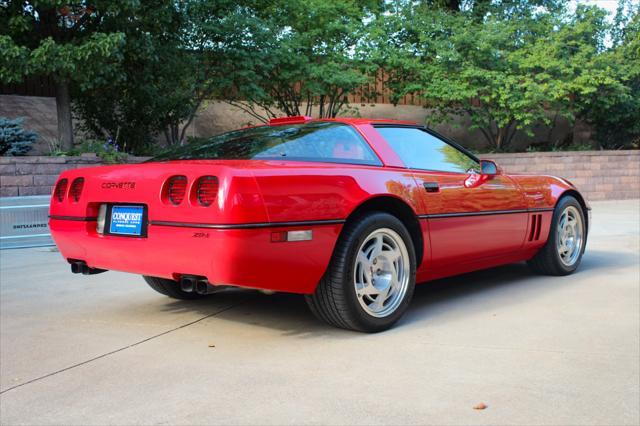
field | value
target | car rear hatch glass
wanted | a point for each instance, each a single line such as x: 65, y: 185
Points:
x: 315, y: 142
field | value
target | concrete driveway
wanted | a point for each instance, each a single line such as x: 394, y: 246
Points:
x: 106, y: 349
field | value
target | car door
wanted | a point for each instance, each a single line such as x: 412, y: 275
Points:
x: 470, y: 216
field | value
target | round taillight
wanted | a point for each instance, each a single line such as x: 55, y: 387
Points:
x: 176, y: 188
x: 61, y: 189
x: 207, y: 190
x: 76, y: 189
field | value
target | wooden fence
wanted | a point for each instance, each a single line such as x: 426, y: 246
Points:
x: 376, y: 92
x: 30, y: 86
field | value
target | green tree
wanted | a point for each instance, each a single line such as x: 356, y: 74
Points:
x: 299, y: 58
x: 176, y: 57
x: 613, y: 107
x: 569, y: 62
x: 222, y: 39
x: 63, y: 40
x: 154, y: 89
x: 506, y: 65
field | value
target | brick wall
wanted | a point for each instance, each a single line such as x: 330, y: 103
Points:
x: 600, y: 175
x: 36, y: 175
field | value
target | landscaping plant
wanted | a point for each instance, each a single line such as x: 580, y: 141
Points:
x: 14, y: 140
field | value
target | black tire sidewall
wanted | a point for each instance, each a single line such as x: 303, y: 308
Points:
x: 553, y: 234
x: 364, y: 228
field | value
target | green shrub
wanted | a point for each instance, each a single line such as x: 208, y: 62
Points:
x: 14, y: 140
x: 108, y: 150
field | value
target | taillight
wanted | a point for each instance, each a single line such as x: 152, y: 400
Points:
x: 176, y: 188
x: 206, y: 190
x: 76, y: 189
x: 61, y: 189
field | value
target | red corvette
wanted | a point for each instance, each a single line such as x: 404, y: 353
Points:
x: 349, y: 212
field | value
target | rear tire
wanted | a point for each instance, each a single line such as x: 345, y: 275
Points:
x: 171, y: 288
x: 567, y: 240
x: 371, y: 277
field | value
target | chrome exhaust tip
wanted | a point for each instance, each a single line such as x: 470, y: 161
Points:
x: 187, y: 284
x: 203, y: 287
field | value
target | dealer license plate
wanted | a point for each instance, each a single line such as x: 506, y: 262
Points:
x: 127, y: 220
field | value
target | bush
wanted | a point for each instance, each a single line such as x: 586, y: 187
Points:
x: 108, y: 150
x: 14, y: 140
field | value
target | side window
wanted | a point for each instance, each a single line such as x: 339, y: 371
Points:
x: 421, y: 150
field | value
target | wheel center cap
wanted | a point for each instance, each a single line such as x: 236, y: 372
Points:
x: 381, y: 272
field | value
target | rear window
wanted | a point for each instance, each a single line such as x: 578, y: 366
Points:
x: 318, y: 142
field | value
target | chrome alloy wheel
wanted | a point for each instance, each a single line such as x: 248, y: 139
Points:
x: 382, y: 272
x: 570, y: 236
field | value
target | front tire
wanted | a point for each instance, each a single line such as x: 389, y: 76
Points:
x: 171, y: 288
x: 371, y: 277
x: 567, y: 240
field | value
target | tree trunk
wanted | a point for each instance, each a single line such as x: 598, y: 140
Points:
x: 500, y: 137
x: 504, y: 136
x: 63, y: 107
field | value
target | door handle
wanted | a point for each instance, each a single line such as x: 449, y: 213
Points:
x: 431, y: 186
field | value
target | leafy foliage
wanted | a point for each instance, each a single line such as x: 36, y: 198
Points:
x: 613, y: 109
x: 154, y: 88
x: 295, y: 58
x: 59, y: 38
x: 507, y: 66
x: 63, y: 40
x: 138, y: 70
x: 266, y: 58
x: 14, y: 140
x: 108, y: 151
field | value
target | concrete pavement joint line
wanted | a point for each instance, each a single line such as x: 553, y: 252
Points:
x: 122, y: 348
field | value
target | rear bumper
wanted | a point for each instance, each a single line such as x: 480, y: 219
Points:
x: 243, y: 257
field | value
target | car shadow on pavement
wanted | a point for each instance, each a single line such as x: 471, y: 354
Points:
x: 432, y: 301
x: 596, y: 259
x: 285, y: 312
x: 289, y: 314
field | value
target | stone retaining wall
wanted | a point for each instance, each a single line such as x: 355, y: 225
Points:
x: 600, y: 175
x: 36, y: 175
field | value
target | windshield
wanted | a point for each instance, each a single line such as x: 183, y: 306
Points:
x: 317, y: 141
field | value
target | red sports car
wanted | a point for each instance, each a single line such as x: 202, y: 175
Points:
x: 349, y: 212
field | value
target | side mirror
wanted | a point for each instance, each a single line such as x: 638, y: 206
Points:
x: 489, y: 168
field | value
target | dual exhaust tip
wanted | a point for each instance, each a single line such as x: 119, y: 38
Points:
x: 81, y: 267
x: 188, y: 283
x: 194, y: 284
